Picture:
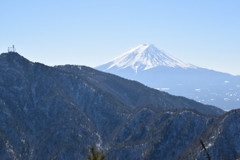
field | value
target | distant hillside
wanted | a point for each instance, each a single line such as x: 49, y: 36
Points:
x: 135, y: 94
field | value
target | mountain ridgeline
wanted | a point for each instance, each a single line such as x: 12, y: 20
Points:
x: 56, y: 112
x: 157, y: 69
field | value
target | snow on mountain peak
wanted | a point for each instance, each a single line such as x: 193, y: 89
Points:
x: 146, y: 56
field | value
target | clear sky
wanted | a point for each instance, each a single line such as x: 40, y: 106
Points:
x: 205, y: 33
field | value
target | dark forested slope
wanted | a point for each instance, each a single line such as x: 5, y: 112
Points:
x: 56, y: 112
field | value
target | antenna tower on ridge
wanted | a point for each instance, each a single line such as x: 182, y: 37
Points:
x: 11, y: 49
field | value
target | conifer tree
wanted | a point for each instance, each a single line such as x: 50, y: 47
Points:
x: 95, y: 154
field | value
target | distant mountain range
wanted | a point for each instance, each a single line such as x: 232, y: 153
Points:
x: 49, y: 113
x: 157, y: 69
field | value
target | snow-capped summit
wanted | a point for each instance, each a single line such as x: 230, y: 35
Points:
x: 157, y: 69
x: 144, y: 57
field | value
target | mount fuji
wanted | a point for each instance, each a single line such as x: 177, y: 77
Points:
x: 158, y: 69
x: 144, y: 57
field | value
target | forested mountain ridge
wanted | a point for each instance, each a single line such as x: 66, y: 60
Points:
x: 56, y: 112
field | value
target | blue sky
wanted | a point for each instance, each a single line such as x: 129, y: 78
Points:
x: 55, y: 32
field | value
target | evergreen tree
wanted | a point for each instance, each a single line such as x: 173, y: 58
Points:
x: 95, y: 154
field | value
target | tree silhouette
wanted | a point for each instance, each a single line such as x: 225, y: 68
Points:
x: 95, y: 154
x: 206, y: 152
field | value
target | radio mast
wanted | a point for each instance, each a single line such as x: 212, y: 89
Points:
x: 11, y: 49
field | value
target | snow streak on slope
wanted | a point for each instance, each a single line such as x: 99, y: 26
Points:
x: 143, y: 57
